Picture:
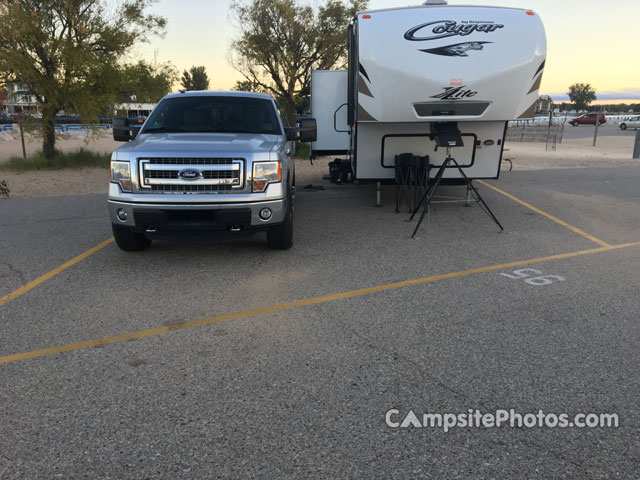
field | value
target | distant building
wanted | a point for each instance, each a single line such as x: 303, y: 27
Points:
x: 544, y: 105
x: 134, y: 110
x: 19, y: 100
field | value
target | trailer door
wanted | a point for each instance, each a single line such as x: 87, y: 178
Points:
x: 329, y: 108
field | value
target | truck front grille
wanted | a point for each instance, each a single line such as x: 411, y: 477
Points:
x: 190, y: 188
x: 191, y: 174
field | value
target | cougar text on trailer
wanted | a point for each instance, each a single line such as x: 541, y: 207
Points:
x: 474, y: 68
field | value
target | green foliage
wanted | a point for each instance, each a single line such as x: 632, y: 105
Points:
x: 303, y: 104
x: 3, y: 96
x: 581, y: 94
x: 148, y: 83
x: 621, y: 108
x: 67, y: 52
x: 303, y: 150
x: 78, y: 159
x: 4, y: 189
x: 195, y: 79
x: 246, y: 86
x: 281, y: 41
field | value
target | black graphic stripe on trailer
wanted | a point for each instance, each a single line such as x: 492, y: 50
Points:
x: 364, y: 72
x: 456, y: 49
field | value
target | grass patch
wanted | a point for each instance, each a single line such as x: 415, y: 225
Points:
x: 303, y: 150
x: 78, y: 159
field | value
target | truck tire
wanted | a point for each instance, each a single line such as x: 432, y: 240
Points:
x: 128, y: 240
x: 280, y: 237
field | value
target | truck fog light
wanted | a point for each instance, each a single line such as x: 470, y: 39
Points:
x: 265, y: 214
x: 122, y: 215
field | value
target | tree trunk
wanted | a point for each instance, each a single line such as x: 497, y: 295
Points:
x: 48, y: 134
x: 290, y: 111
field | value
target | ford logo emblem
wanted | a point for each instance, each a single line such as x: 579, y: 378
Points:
x: 190, y: 174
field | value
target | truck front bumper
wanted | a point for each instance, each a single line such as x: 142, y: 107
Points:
x: 174, y: 218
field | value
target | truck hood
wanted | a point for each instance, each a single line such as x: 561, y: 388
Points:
x: 201, y: 144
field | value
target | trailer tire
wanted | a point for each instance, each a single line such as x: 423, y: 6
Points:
x: 623, y: 126
x: 128, y: 240
x: 280, y: 237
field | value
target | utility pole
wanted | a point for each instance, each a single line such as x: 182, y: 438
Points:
x: 549, y: 128
x: 595, y: 134
x: 20, y: 119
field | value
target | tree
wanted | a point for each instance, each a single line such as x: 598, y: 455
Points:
x: 246, y: 86
x: 67, y: 52
x: 280, y: 41
x: 148, y: 83
x: 581, y: 94
x: 195, y: 79
x: 3, y: 97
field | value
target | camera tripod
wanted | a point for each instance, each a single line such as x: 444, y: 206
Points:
x: 427, y: 198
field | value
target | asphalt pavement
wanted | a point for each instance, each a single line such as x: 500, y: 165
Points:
x: 235, y: 361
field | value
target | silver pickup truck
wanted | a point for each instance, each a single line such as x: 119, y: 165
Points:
x: 205, y: 164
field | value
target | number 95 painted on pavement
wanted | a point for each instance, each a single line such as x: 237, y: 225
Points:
x: 527, y: 274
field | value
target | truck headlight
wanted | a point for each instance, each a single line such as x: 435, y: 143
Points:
x: 121, y: 174
x: 265, y: 173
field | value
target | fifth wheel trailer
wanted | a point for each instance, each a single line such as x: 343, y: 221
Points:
x: 472, y: 67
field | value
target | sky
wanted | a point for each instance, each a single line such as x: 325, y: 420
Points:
x: 589, y: 41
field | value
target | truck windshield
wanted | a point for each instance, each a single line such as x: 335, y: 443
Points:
x: 214, y: 114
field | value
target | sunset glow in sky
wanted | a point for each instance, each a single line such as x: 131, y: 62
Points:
x: 590, y: 41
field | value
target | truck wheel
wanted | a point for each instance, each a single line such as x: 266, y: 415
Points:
x: 281, y: 236
x: 128, y: 240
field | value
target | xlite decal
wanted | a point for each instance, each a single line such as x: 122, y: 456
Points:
x: 455, y: 93
x: 451, y: 28
x: 457, y: 49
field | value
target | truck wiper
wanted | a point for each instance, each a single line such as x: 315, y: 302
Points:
x: 162, y: 130
x: 235, y: 130
x: 222, y: 130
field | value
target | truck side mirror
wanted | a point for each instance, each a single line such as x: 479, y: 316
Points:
x: 291, y: 133
x: 308, y: 130
x: 121, y: 132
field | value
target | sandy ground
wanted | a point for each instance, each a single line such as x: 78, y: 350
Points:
x: 574, y: 153
x: 609, y: 151
x: 49, y: 183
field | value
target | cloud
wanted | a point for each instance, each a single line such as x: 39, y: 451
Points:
x: 605, y: 95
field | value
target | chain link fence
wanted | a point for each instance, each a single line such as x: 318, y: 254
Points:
x: 550, y: 134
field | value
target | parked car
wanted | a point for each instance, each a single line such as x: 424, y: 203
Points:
x: 633, y: 122
x: 589, y: 119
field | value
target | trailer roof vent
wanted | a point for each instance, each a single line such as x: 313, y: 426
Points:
x: 435, y: 2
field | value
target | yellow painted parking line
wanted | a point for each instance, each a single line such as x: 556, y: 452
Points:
x: 34, y: 283
x: 549, y: 216
x: 295, y: 304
